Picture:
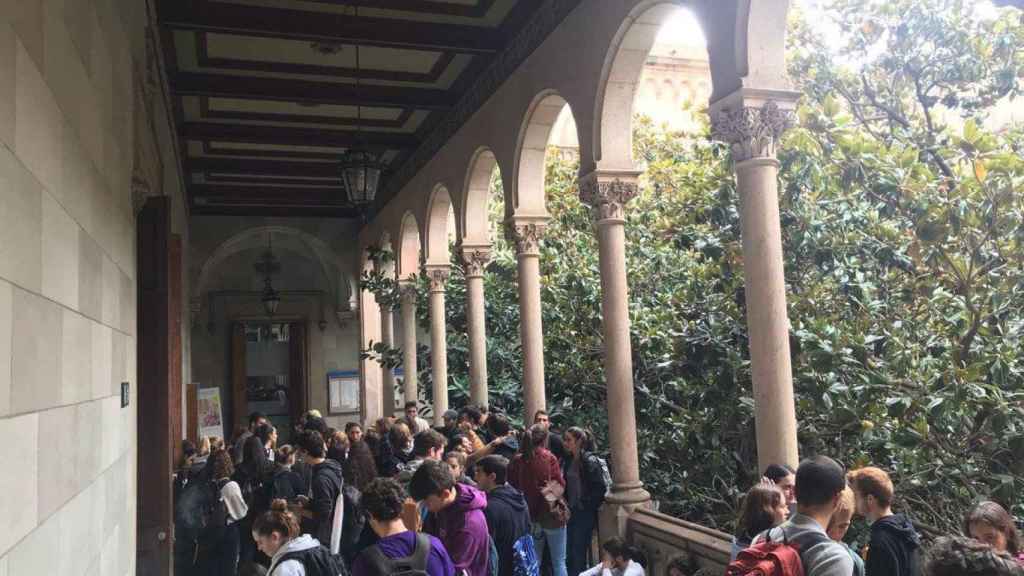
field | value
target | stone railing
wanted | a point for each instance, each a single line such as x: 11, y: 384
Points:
x: 663, y: 538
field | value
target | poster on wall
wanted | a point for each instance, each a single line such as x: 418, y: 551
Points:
x: 211, y: 422
x: 342, y: 392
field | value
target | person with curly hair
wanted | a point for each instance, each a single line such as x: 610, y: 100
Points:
x: 959, y: 556
x: 990, y: 523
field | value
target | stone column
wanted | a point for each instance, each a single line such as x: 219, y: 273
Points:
x: 607, y: 192
x: 369, y: 369
x: 527, y: 234
x: 438, y: 340
x: 409, y: 368
x: 752, y: 122
x: 387, y: 337
x: 476, y: 259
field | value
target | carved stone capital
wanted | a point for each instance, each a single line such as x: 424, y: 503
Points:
x: 752, y: 122
x: 476, y: 259
x: 407, y: 289
x: 608, y: 192
x: 526, y: 234
x: 438, y: 276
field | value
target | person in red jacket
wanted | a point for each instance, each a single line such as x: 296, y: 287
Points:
x: 534, y: 472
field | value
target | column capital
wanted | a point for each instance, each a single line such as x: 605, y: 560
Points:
x: 526, y: 232
x: 476, y: 259
x: 407, y: 289
x: 438, y: 276
x: 608, y: 191
x: 753, y: 121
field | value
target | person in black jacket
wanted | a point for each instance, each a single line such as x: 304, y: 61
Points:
x: 584, y: 493
x: 895, y: 547
x: 285, y: 483
x: 326, y: 486
x: 508, y: 517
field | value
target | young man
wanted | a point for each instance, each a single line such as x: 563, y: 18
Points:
x: 504, y: 442
x: 256, y: 419
x: 819, y: 488
x: 427, y: 445
x: 450, y: 428
x: 326, y: 485
x: 894, y: 548
x: 412, y: 418
x: 354, y: 432
x: 456, y: 516
x: 382, y: 500
x: 555, y: 444
x: 508, y: 517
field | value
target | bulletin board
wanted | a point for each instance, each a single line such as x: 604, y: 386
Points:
x: 342, y: 392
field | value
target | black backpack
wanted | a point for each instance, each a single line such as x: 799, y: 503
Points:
x: 200, y: 514
x: 316, y: 562
x: 378, y: 564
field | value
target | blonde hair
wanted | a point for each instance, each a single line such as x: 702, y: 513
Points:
x: 846, y: 506
x: 204, y: 446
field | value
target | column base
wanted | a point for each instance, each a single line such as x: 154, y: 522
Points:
x: 617, y: 508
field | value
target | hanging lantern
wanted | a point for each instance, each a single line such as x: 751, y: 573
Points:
x: 360, y: 172
x: 271, y: 299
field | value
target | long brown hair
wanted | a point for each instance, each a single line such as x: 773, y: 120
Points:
x: 996, y: 516
x: 534, y: 438
x: 359, y: 468
x: 756, y: 511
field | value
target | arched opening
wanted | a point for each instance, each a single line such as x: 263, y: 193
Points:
x: 548, y: 121
x: 661, y: 47
x: 439, y: 230
x: 407, y: 256
x: 475, y: 226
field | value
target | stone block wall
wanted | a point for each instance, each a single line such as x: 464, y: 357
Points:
x: 67, y: 286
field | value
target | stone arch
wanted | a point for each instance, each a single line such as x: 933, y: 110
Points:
x: 436, y: 231
x: 527, y: 195
x: 407, y: 252
x: 331, y: 267
x: 620, y: 77
x: 473, y: 219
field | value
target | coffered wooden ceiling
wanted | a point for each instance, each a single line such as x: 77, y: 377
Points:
x: 265, y: 96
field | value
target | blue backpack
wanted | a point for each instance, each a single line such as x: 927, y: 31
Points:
x: 525, y: 562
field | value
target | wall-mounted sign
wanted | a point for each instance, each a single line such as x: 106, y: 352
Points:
x: 342, y: 392
x: 211, y: 423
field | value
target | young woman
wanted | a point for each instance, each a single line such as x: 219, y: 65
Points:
x: 532, y: 472
x: 285, y: 483
x: 360, y: 467
x: 764, y: 507
x: 784, y: 477
x: 990, y: 523
x: 584, y: 492
x: 276, y: 533
x: 840, y: 524
x: 222, y: 557
x: 400, y: 438
x: 617, y: 559
x: 337, y: 445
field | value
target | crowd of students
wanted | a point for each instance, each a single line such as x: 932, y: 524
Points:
x: 472, y: 497
x: 807, y: 512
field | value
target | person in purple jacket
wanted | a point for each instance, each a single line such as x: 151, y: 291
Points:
x: 382, y: 500
x: 456, y: 516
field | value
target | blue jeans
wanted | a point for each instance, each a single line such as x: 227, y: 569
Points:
x: 555, y: 537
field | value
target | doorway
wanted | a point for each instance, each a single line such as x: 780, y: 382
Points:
x: 269, y: 373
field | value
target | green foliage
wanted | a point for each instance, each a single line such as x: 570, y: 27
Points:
x: 903, y: 233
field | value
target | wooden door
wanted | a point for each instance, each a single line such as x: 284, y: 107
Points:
x: 239, y: 398
x: 155, y: 406
x: 297, y: 401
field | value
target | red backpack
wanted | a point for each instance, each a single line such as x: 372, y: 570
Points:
x: 769, y: 558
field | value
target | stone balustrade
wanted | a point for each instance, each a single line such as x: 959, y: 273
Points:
x: 662, y: 538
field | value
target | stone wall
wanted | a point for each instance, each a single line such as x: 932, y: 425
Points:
x: 68, y: 73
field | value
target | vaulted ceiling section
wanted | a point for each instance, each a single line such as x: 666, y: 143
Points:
x: 265, y: 91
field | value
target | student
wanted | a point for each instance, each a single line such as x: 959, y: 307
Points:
x: 326, y: 485
x: 383, y: 500
x: 412, y: 418
x: 584, y: 493
x: 256, y: 419
x: 508, y: 517
x: 617, y: 559
x: 958, y: 556
x: 221, y: 557
x: 360, y: 468
x: 276, y: 533
x: 504, y: 442
x: 894, y: 548
x: 554, y: 440
x: 819, y: 487
x: 764, y: 507
x: 531, y: 472
x: 354, y: 432
x: 285, y: 484
x: 450, y: 427
x: 783, y: 476
x: 400, y: 437
x: 990, y: 523
x: 456, y: 461
x: 427, y: 445
x: 840, y: 524
x: 456, y: 516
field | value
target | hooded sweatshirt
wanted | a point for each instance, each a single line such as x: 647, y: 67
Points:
x: 894, y: 548
x: 530, y: 475
x: 326, y: 489
x: 291, y: 567
x: 508, y: 519
x: 462, y: 528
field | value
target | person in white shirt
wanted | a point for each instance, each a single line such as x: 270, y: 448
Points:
x: 221, y: 557
x: 412, y: 418
x: 617, y: 559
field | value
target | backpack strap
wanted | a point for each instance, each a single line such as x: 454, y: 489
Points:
x: 381, y: 565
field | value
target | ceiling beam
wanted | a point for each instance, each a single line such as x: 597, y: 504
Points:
x: 242, y: 194
x: 264, y: 167
x: 295, y: 136
x: 253, y: 20
x: 277, y: 211
x: 311, y: 91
